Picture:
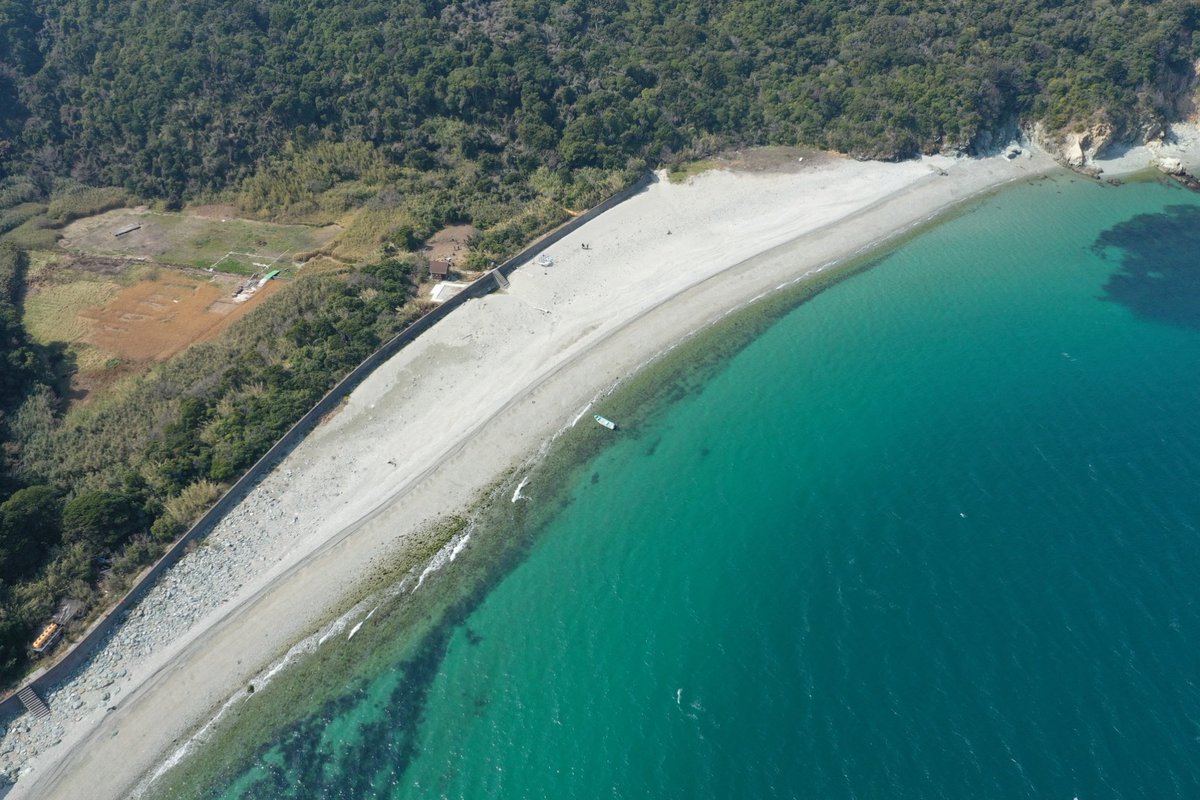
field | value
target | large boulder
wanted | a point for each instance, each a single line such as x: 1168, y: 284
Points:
x: 1171, y: 166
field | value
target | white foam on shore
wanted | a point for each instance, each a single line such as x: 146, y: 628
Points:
x: 580, y: 415
x: 458, y: 548
x: 524, y: 482
x: 444, y: 556
x: 302, y: 648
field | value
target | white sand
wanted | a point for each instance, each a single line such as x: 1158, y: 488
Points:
x: 474, y: 397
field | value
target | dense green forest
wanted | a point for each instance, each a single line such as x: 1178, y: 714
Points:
x: 168, y: 99
x: 421, y: 113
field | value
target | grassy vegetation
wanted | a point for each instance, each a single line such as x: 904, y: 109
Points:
x: 682, y: 172
x: 91, y: 359
x: 42, y: 264
x: 186, y: 507
x: 326, y: 265
x: 19, y: 214
x: 366, y: 230
x: 73, y: 202
x: 52, y: 314
x: 35, y: 226
x: 36, y: 233
x: 382, y: 204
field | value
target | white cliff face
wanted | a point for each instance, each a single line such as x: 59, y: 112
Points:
x: 1075, y: 149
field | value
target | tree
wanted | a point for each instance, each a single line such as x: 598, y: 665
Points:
x: 29, y: 527
x: 102, y: 519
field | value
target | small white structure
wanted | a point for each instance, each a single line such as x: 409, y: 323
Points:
x: 545, y: 260
x: 445, y: 290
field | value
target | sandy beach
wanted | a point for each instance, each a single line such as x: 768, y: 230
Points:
x: 477, y: 395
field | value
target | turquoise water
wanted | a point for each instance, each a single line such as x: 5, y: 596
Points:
x: 933, y: 535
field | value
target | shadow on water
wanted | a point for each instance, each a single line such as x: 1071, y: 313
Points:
x: 1159, y: 276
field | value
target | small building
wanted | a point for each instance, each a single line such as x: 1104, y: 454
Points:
x: 439, y: 269
x: 47, y: 638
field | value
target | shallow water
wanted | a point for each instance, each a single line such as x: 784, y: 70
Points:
x: 932, y: 535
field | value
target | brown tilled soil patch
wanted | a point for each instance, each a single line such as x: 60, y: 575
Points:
x: 155, y: 319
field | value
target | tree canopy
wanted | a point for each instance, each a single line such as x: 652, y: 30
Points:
x: 171, y: 99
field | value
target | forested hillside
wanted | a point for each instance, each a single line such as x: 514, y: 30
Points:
x: 172, y: 98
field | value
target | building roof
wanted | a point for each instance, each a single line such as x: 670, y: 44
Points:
x: 47, y: 637
x: 439, y: 268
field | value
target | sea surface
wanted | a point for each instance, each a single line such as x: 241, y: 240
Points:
x: 933, y: 534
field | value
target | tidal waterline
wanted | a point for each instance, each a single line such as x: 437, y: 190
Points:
x: 931, y: 535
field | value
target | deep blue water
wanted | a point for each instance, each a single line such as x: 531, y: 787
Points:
x: 932, y: 535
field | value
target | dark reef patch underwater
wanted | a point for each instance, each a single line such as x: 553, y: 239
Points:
x: 1159, y: 278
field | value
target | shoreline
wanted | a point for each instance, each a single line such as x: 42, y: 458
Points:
x: 432, y: 427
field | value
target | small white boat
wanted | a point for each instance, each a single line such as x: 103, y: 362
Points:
x: 606, y: 422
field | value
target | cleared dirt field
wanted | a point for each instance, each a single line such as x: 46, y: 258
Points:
x: 450, y: 243
x: 118, y: 329
x: 153, y: 320
x: 194, y: 239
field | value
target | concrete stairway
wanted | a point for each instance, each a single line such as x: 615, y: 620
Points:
x: 35, y: 704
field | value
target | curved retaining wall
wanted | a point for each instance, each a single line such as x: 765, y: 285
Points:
x: 11, y: 706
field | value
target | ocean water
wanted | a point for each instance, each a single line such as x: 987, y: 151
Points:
x: 933, y: 534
